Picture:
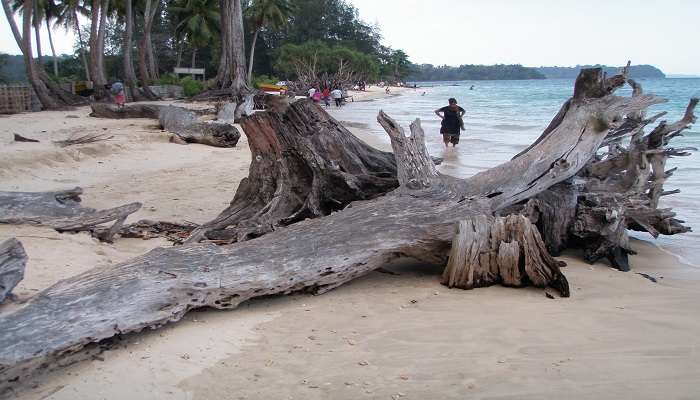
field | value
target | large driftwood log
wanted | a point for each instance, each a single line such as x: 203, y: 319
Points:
x: 62, y: 211
x: 13, y: 260
x: 107, y: 110
x: 184, y: 124
x: 305, y: 164
x: 416, y: 220
x: 619, y: 189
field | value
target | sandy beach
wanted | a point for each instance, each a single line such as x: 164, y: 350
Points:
x: 388, y: 335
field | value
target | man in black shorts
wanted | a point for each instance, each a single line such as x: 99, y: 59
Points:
x: 451, y: 122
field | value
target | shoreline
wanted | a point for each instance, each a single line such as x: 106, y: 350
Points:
x: 449, y: 343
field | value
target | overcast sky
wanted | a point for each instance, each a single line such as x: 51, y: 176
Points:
x: 542, y: 32
x: 529, y: 32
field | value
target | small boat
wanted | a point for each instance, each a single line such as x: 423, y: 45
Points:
x: 269, y: 88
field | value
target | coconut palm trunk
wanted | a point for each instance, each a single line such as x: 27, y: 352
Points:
x: 53, y: 49
x: 37, y: 30
x: 24, y: 42
x: 252, y: 55
x: 129, y: 74
x: 83, y: 55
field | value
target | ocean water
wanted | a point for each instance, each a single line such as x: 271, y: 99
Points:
x: 504, y: 117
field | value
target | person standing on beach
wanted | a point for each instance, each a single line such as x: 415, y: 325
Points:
x: 327, y: 96
x: 117, y: 90
x: 337, y: 95
x: 452, y: 122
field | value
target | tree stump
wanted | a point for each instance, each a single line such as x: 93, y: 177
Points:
x: 305, y: 164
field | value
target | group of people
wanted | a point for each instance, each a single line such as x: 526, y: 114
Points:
x: 326, y: 95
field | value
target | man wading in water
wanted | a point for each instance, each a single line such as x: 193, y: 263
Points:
x: 451, y: 122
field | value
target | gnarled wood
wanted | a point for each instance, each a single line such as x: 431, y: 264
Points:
x: 13, y: 260
x: 184, y: 124
x: 312, y: 255
x: 304, y: 165
x: 62, y: 211
x: 506, y: 250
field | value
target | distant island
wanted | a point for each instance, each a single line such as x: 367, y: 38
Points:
x: 429, y: 72
x: 636, y: 71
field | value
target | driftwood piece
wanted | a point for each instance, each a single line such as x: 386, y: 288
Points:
x: 20, y: 138
x: 62, y: 211
x: 146, y: 229
x: 314, y: 255
x: 506, y: 250
x: 184, y: 124
x: 107, y: 110
x: 305, y: 164
x: 85, y: 139
x: 13, y: 260
x: 618, y: 190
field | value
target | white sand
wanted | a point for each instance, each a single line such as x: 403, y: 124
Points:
x: 618, y: 336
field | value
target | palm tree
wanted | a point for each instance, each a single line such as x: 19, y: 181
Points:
x: 198, y: 22
x: 49, y: 11
x: 266, y: 13
x: 66, y: 15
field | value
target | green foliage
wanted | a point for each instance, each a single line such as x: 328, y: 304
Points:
x: 168, y: 79
x: 191, y: 87
x: 198, y: 21
x: 269, y: 13
x: 428, y: 72
x: 319, y: 58
x: 264, y: 79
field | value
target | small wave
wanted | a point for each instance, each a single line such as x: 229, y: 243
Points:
x: 513, y: 127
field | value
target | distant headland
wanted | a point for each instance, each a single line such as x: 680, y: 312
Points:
x: 429, y: 72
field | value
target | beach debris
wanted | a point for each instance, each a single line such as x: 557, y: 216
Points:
x: 363, y: 363
x: 20, y: 138
x: 647, y: 276
x: 106, y: 110
x: 85, y: 139
x: 294, y: 252
x: 13, y: 261
x: 62, y: 211
x: 183, y: 123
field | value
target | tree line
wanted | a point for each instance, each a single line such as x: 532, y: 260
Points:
x: 140, y: 41
x: 429, y: 72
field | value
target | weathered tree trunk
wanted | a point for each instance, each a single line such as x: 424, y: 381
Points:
x: 144, y: 74
x: 616, y: 191
x: 231, y: 81
x: 416, y: 220
x: 102, y: 110
x: 194, y: 58
x: 129, y: 73
x: 61, y: 211
x: 305, y: 165
x: 184, y: 124
x: 13, y: 260
x: 509, y: 251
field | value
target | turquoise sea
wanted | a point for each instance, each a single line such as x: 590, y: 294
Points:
x: 503, y: 117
